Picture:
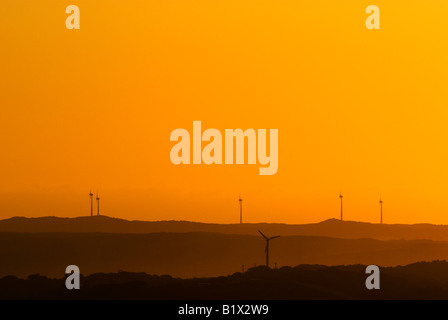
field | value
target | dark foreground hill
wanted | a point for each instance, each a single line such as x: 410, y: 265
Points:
x: 196, y: 254
x: 415, y: 281
x: 329, y: 228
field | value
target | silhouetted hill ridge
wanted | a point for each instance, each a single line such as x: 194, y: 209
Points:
x: 329, y: 228
x: 193, y: 254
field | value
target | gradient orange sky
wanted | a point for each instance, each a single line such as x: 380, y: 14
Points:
x: 362, y: 111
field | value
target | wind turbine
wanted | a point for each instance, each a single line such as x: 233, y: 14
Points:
x: 341, y: 196
x: 91, y: 203
x: 241, y: 209
x: 381, y: 209
x: 267, y: 246
x: 98, y: 202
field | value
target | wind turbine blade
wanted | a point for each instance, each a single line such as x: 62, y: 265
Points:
x: 263, y: 235
x: 274, y: 237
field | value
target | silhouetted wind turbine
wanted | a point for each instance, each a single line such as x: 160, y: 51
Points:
x: 341, y: 196
x: 98, y: 202
x: 91, y: 203
x: 381, y: 210
x: 241, y: 209
x: 267, y: 246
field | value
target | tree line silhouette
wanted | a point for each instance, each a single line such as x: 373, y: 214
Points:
x: 422, y: 280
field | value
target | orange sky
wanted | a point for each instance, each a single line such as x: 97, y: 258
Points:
x: 362, y: 111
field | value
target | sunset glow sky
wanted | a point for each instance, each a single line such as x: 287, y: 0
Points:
x: 360, y: 111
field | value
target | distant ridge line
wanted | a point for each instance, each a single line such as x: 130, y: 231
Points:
x: 329, y: 228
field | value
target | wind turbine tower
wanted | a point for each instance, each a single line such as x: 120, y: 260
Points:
x: 267, y: 246
x: 91, y: 203
x: 98, y: 202
x: 241, y: 209
x: 341, y: 196
x: 381, y: 210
